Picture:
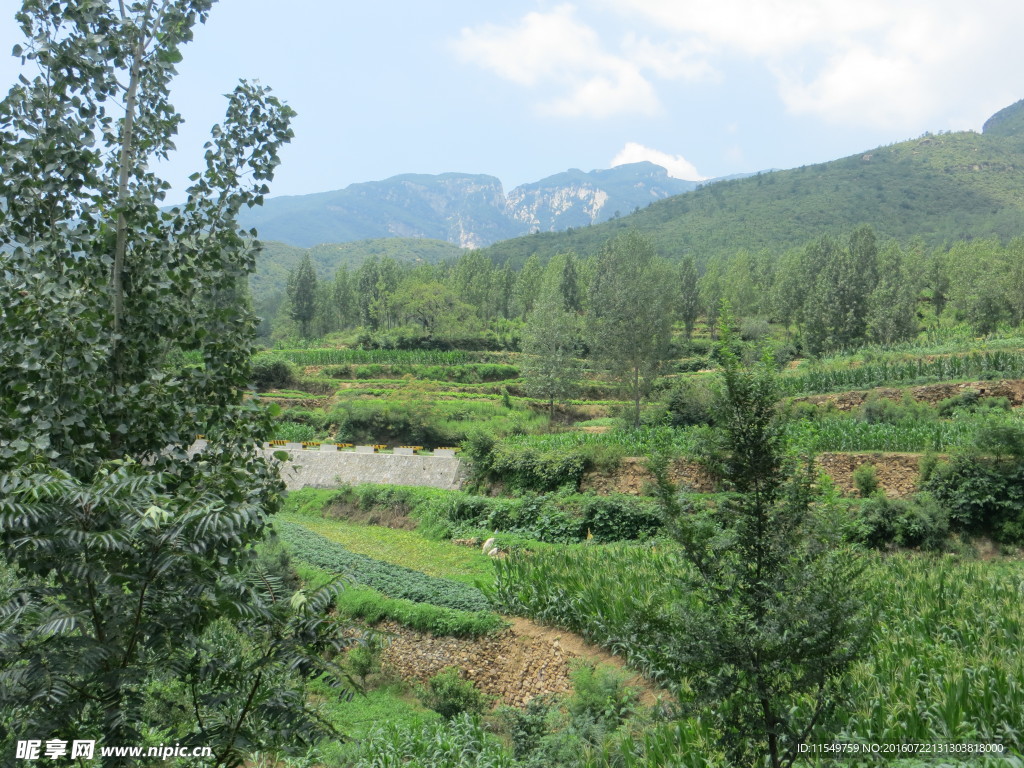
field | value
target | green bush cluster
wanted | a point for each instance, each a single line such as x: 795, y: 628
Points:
x: 919, y: 522
x: 271, y: 371
x: 563, y: 517
x: 467, y: 373
x: 451, y: 695
x: 391, y: 580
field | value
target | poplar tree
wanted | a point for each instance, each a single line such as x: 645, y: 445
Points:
x: 629, y: 320
x: 138, y: 609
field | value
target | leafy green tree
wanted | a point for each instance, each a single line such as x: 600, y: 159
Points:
x: 128, y: 548
x: 563, y: 274
x: 836, y: 310
x: 302, y: 295
x: 629, y: 321
x: 892, y: 305
x: 551, y: 342
x: 776, y: 614
x: 531, y: 277
x: 687, y: 297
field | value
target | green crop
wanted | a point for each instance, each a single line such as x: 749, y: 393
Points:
x: 390, y: 580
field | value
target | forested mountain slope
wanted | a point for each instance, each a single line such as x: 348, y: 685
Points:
x: 941, y: 188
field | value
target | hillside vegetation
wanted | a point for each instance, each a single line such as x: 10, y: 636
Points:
x: 938, y: 188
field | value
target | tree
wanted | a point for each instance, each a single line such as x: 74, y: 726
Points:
x: 776, y: 614
x: 629, y: 322
x: 688, y: 302
x: 132, y: 554
x: 892, y: 304
x: 302, y: 294
x: 551, y: 344
x: 836, y: 312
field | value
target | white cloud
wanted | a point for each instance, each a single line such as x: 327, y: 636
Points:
x: 554, y: 51
x: 676, y: 165
x: 883, y: 63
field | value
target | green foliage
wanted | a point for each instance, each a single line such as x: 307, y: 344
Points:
x: 629, y: 318
x: 918, y: 522
x: 689, y: 403
x: 391, y: 580
x: 984, y: 496
x: 772, y: 615
x: 827, y: 378
x: 270, y: 371
x: 363, y: 659
x: 451, y: 695
x: 461, y: 743
x: 600, y: 694
x: 551, y: 343
x: 865, y: 479
x: 132, y: 555
x: 372, y: 607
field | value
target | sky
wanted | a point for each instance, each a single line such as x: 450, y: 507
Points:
x: 524, y: 89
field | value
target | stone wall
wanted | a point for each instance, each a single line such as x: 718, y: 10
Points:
x: 323, y: 469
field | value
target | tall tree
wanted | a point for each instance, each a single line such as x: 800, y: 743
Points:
x: 688, y: 296
x: 128, y: 548
x: 302, y: 294
x: 629, y: 320
x: 551, y: 344
x: 774, y: 614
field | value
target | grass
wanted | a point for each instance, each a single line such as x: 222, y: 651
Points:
x: 405, y: 548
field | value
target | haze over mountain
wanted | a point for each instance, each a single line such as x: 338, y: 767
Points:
x: 468, y: 210
x: 937, y: 188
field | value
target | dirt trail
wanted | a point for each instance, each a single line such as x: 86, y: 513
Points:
x: 515, y: 665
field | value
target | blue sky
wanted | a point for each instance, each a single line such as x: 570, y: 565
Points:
x: 527, y: 88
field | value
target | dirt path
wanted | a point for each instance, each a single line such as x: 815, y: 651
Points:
x: 521, y: 662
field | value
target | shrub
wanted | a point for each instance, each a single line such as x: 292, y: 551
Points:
x: 363, y: 659
x: 918, y: 522
x: 865, y: 478
x: 982, y: 496
x: 600, y: 694
x: 272, y: 372
x: 690, y: 402
x: 450, y: 695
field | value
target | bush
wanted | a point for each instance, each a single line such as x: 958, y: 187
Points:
x: 448, y: 694
x: 865, y: 478
x: 600, y: 694
x: 271, y: 372
x: 983, y: 496
x: 918, y: 522
x: 690, y: 402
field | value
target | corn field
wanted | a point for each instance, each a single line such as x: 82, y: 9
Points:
x: 943, y: 665
x: 988, y: 364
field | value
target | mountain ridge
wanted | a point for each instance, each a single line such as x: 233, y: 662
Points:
x: 469, y: 210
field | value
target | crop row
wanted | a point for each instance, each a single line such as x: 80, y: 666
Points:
x: 986, y: 364
x: 945, y: 645
x: 331, y: 356
x: 847, y: 434
x: 388, y: 579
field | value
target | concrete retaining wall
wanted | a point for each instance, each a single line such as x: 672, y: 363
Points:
x: 324, y: 469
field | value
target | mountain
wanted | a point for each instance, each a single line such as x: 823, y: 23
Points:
x: 938, y: 188
x: 470, y: 211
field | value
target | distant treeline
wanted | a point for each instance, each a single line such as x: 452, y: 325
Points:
x: 829, y: 294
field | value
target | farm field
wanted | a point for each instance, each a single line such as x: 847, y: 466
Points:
x: 941, y: 664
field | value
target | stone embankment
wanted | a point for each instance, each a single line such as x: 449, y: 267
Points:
x: 897, y: 474
x: 513, y: 666
x: 1011, y: 389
